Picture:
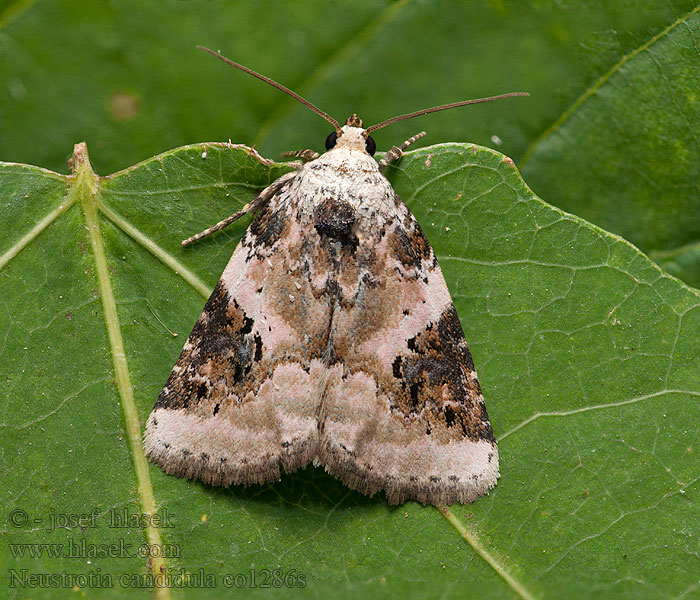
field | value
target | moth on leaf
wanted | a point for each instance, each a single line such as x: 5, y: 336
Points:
x: 331, y: 338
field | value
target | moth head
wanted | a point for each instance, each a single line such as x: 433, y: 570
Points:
x: 352, y: 136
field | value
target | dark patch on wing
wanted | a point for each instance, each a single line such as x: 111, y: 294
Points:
x: 435, y: 382
x: 268, y: 225
x: 335, y: 219
x: 409, y: 246
x: 220, y: 345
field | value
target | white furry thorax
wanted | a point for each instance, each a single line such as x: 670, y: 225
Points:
x: 347, y: 172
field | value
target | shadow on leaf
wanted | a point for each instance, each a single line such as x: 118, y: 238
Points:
x: 309, y: 487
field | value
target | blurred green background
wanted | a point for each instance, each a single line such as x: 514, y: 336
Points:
x: 608, y: 134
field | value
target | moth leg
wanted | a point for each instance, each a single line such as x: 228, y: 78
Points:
x: 258, y: 202
x: 396, y: 152
x: 305, y: 155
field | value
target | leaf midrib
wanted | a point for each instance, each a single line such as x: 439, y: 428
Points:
x: 84, y: 188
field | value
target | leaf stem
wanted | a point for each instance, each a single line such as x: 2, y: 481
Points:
x: 85, y: 189
x: 471, y: 539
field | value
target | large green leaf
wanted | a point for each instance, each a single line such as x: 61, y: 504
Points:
x: 586, y: 351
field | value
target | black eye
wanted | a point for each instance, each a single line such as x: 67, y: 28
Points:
x: 331, y: 140
x: 371, y: 145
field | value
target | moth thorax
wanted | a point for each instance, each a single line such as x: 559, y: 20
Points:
x: 354, y: 121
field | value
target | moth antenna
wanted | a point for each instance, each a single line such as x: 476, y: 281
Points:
x: 425, y: 111
x: 273, y: 83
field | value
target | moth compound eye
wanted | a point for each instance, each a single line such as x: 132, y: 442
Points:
x: 370, y: 145
x: 331, y: 140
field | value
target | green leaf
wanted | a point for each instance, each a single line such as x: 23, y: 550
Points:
x: 586, y: 351
x: 626, y: 153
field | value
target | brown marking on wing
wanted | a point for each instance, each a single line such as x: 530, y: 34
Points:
x: 220, y: 353
x: 269, y: 226
x: 409, y: 245
x: 436, y: 383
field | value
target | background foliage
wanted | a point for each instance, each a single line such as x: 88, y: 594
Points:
x: 587, y: 351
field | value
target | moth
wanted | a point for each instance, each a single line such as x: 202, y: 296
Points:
x: 331, y: 338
